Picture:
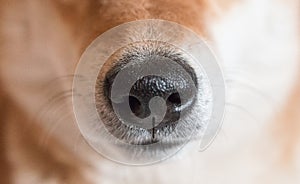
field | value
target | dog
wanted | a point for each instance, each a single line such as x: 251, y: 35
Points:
x: 257, y: 46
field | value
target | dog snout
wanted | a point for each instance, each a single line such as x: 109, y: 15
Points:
x: 176, y: 87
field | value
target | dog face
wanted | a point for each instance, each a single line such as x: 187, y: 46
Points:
x: 256, y: 46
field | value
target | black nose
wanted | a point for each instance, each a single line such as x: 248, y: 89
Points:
x: 178, y: 90
x: 151, y: 86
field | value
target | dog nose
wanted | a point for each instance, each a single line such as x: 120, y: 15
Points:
x: 176, y: 88
x: 148, y: 87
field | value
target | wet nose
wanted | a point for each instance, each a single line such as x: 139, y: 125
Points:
x: 149, y: 87
x: 176, y: 89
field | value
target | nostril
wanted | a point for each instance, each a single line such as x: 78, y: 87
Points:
x: 137, y: 107
x: 174, y: 99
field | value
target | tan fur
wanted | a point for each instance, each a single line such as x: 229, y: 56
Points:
x: 27, y: 25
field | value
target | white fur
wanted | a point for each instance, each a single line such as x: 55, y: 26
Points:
x: 258, y: 52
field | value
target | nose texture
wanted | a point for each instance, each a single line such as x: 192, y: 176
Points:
x: 176, y: 88
x: 151, y: 86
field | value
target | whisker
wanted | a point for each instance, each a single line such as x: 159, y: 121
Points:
x: 54, y: 110
x: 57, y: 108
x: 57, y: 98
x: 64, y: 77
x: 78, y: 139
x: 241, y: 108
x: 54, y: 126
x: 57, y: 94
x: 270, y: 101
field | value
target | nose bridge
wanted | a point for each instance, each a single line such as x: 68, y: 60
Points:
x: 95, y: 17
